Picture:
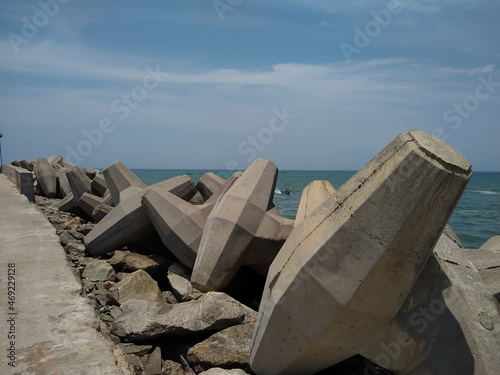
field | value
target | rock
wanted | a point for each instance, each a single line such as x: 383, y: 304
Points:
x: 152, y: 362
x: 208, y: 184
x: 178, y: 278
x: 131, y: 262
x: 231, y: 236
x: 347, y: 268
x: 91, y: 173
x: 144, y: 320
x: 128, y: 222
x: 313, y: 196
x: 100, y: 212
x: 16, y: 163
x: 221, y: 371
x: 172, y: 368
x: 138, y: 350
x: 55, y: 160
x: 229, y: 348
x: 137, y: 286
x: 98, y: 270
x: 67, y: 238
x: 89, y: 202
x: 178, y: 223
x: 77, y: 249
x: 449, y: 323
x: 121, y: 182
x: 98, y: 185
x: 170, y: 297
x: 492, y: 244
x: 46, y: 177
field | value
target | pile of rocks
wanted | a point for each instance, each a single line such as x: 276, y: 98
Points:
x: 368, y: 278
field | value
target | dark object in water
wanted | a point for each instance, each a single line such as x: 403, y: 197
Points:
x: 287, y: 191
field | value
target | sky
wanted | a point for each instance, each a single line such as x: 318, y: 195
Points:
x: 308, y: 84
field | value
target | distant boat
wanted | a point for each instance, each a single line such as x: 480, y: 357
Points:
x: 287, y: 191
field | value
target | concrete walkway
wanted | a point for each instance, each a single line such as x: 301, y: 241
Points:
x: 51, y: 326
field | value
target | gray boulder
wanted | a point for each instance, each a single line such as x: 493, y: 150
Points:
x: 142, y: 320
x: 97, y: 270
x: 229, y: 348
x: 139, y: 285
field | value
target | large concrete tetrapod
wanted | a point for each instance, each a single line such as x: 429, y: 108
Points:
x: 121, y: 182
x: 232, y: 226
x: 346, y: 269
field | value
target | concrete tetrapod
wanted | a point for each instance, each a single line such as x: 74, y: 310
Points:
x: 178, y: 223
x: 46, y: 177
x: 121, y: 182
x: 128, y: 222
x: 449, y: 323
x: 312, y: 197
x: 208, y: 184
x: 79, y: 184
x: 232, y: 226
x: 345, y: 270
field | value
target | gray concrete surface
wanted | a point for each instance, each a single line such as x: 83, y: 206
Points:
x: 54, y: 325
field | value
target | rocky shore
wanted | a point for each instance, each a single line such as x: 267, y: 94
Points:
x: 208, y: 278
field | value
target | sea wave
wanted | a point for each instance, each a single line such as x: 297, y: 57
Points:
x: 489, y: 192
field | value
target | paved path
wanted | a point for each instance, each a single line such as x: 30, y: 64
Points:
x: 53, y: 324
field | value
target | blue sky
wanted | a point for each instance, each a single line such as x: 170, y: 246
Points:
x: 214, y: 84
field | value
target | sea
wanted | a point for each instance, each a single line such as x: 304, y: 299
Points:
x: 475, y: 219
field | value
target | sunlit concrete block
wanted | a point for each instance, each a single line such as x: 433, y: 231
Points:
x: 208, y: 184
x: 128, y: 222
x: 312, y: 197
x: 347, y: 268
x: 121, y: 181
x: 210, y: 202
x: 448, y: 324
x: 232, y: 227
x: 46, y: 177
x: 178, y: 223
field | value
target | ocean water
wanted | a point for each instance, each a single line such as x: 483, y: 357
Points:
x: 475, y: 219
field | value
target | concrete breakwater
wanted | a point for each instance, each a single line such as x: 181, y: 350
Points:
x: 368, y: 279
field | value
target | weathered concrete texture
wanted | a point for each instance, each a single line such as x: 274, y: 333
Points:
x: 142, y: 320
x: 346, y: 270
x: 100, y: 212
x: 25, y: 164
x: 492, y: 244
x: 22, y: 178
x: 99, y: 185
x: 89, y: 202
x: 79, y: 184
x: 208, y: 184
x: 55, y: 160
x: 91, y: 173
x: 313, y: 196
x: 55, y: 331
x: 62, y: 181
x: 178, y: 223
x: 121, y: 181
x: 449, y: 323
x: 46, y: 177
x: 210, y: 203
x: 128, y: 222
x: 232, y: 226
